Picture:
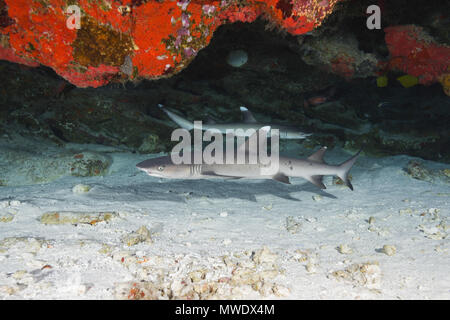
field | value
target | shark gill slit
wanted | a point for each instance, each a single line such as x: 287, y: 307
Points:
x: 195, y: 169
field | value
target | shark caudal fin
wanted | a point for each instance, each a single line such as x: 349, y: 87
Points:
x: 182, y: 122
x: 345, y: 167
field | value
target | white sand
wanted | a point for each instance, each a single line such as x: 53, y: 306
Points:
x: 207, y: 237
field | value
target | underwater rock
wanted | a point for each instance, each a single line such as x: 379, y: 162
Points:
x: 81, y: 188
x: 88, y: 164
x: 23, y: 167
x: 336, y: 113
x: 405, y: 211
x: 76, y: 217
x: 417, y: 170
x: 363, y: 274
x: 25, y: 244
x: 6, y: 217
x: 96, y: 47
x: 140, y: 235
x: 264, y: 255
x: 338, y: 181
x: 190, y: 277
x: 237, y: 58
x: 380, y: 142
x: 415, y: 52
x: 292, y: 225
x: 271, y: 84
x: 339, y: 54
x: 446, y: 172
x: 344, y: 249
x: 308, y: 258
x: 435, y: 228
x: 389, y: 250
x: 8, y: 210
x: 150, y: 144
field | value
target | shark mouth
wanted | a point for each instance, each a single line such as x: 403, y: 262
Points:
x: 150, y: 173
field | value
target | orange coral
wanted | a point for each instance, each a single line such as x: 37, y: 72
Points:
x: 343, y: 65
x: 160, y: 38
x: 414, y: 52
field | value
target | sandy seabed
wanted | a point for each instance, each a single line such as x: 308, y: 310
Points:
x: 126, y: 235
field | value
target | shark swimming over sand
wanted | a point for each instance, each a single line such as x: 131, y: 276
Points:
x: 312, y: 169
x: 285, y: 132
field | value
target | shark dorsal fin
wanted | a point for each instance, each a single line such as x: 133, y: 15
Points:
x: 281, y: 178
x: 316, y: 180
x: 182, y: 122
x: 244, y: 147
x: 318, y: 155
x: 248, y: 117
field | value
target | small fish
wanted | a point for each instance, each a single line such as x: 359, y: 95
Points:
x: 314, y: 101
x: 321, y: 97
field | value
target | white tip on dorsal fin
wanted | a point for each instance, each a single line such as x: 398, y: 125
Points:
x: 248, y: 117
x: 160, y: 105
x: 318, y: 155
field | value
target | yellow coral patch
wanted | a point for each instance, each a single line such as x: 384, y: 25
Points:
x: 408, y: 81
x: 445, y: 81
x: 382, y: 81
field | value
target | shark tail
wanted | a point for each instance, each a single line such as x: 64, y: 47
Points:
x: 182, y: 122
x: 345, y: 167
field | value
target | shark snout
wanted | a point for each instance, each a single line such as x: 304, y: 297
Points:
x: 141, y: 165
x: 145, y: 166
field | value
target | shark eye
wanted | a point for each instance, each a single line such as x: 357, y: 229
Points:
x: 160, y: 168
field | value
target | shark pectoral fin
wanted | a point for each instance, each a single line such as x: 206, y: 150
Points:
x: 281, y: 178
x: 248, y: 117
x: 316, y: 180
x: 318, y: 155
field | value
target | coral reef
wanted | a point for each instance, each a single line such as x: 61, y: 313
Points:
x: 130, y: 40
x: 415, y: 52
x: 122, y: 40
x: 339, y: 54
x: 19, y: 166
x: 281, y: 74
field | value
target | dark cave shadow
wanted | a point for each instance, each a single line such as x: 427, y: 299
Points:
x: 182, y: 190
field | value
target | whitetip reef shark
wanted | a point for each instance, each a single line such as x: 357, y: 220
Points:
x: 312, y: 169
x: 285, y: 132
